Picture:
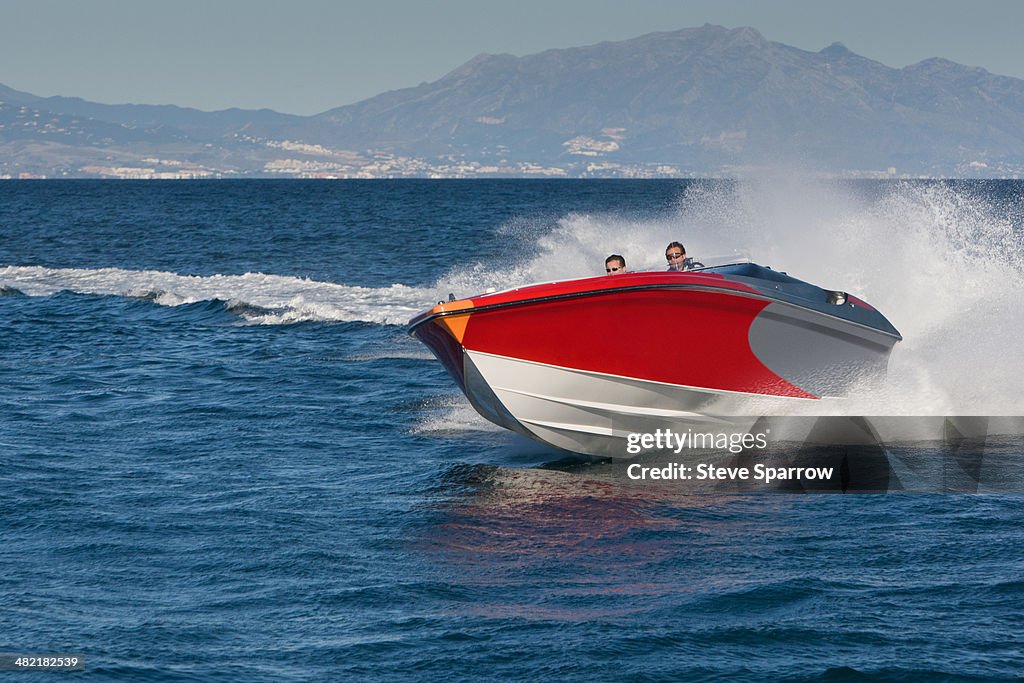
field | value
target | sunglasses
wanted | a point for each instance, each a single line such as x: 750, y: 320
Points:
x: 669, y: 257
x: 610, y: 270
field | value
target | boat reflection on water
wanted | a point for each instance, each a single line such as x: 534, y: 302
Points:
x: 587, y: 546
x: 581, y: 541
x: 566, y: 504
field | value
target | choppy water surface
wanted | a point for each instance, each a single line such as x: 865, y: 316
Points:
x: 223, y: 458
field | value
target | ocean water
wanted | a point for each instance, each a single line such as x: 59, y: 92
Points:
x: 222, y: 458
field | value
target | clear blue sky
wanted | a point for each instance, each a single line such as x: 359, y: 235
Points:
x: 307, y: 56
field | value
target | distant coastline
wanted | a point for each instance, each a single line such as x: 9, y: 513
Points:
x: 700, y: 102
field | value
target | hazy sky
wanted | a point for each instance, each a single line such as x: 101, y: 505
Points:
x: 307, y: 56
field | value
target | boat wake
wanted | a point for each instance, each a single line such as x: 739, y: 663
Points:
x: 255, y: 297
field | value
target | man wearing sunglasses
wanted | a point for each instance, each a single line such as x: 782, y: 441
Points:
x: 615, y: 265
x: 675, y: 254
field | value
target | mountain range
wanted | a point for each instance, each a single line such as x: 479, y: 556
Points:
x: 695, y: 102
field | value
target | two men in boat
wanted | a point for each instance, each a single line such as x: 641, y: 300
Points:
x: 675, y: 254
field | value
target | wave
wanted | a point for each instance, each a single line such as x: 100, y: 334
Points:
x: 444, y: 415
x: 256, y: 297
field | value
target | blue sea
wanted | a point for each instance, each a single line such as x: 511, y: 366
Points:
x: 223, y: 458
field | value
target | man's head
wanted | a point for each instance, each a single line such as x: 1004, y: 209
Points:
x: 675, y: 254
x: 615, y: 264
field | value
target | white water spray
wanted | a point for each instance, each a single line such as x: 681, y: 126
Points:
x: 943, y: 262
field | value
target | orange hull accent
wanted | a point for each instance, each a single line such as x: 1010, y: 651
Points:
x: 455, y: 324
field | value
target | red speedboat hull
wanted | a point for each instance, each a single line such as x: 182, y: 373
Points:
x: 581, y: 364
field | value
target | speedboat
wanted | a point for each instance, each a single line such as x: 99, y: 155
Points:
x: 582, y: 364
